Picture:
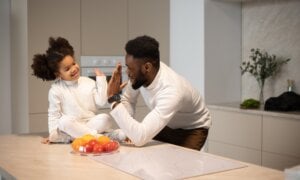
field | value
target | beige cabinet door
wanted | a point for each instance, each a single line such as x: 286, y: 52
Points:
x: 103, y: 27
x: 48, y: 18
x: 281, y: 137
x: 236, y: 135
x: 151, y: 18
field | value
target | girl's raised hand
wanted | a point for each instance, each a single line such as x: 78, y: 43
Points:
x: 98, y: 72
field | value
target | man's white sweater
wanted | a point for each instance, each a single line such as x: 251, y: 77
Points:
x: 173, y: 102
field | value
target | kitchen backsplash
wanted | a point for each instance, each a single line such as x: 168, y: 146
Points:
x: 274, y: 26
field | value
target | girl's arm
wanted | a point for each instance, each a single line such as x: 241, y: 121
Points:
x: 55, y: 111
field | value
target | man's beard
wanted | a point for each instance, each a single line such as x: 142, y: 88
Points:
x: 139, y: 81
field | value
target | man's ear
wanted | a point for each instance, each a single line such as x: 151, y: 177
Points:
x: 148, y: 67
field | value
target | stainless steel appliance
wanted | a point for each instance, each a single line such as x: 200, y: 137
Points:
x: 105, y: 63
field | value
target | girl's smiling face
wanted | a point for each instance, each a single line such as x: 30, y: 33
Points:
x: 68, y: 69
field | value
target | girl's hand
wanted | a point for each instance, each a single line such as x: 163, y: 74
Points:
x: 45, y: 140
x: 98, y: 72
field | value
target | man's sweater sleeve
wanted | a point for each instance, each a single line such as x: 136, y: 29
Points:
x: 141, y: 132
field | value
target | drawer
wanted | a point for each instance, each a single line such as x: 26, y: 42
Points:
x: 277, y: 161
x: 235, y: 128
x: 281, y: 135
x: 239, y: 153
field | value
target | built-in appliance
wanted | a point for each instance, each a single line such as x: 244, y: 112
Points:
x: 105, y: 63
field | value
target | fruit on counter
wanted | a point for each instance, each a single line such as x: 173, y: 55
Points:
x: 88, y: 148
x: 110, y: 146
x: 91, y: 144
x: 77, y: 143
x: 103, y: 139
x: 87, y: 137
x: 98, y: 148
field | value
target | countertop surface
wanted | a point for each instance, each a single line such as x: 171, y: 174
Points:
x: 235, y: 107
x: 24, y: 157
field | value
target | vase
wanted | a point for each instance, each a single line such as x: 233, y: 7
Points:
x: 261, y: 95
x: 261, y: 92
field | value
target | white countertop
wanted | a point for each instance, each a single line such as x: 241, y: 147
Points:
x: 166, y: 161
x: 24, y: 157
x: 235, y: 107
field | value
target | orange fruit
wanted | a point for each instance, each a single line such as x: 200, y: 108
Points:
x: 77, y: 143
x: 87, y: 137
x: 103, y: 140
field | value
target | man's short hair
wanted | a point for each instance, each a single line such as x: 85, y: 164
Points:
x: 144, y: 47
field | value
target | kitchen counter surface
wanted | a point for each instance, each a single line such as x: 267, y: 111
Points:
x: 235, y: 107
x: 24, y: 157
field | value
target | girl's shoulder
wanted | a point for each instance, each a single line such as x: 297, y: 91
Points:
x: 55, y: 87
x: 84, y: 79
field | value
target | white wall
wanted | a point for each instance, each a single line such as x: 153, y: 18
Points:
x: 223, y: 51
x: 5, y: 86
x: 19, y: 66
x: 205, y: 46
x: 187, y: 40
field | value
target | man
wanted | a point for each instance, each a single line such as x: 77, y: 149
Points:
x: 178, y: 114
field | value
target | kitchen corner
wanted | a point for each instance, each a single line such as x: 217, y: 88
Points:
x: 265, y: 138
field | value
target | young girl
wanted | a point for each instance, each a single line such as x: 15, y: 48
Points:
x: 74, y: 100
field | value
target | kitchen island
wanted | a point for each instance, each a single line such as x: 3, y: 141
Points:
x: 24, y: 157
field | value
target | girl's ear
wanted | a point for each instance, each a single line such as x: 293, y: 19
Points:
x: 56, y: 74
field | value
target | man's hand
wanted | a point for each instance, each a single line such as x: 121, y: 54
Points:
x: 114, y: 84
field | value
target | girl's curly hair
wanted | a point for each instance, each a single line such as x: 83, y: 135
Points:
x: 45, y: 66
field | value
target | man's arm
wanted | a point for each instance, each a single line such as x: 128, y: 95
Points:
x: 142, y: 131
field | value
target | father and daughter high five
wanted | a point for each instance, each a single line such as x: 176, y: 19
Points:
x: 178, y: 114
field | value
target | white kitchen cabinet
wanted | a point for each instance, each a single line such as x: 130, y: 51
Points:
x: 236, y: 135
x: 281, y: 137
x: 261, y: 137
x: 279, y: 161
x: 235, y: 152
x: 226, y: 125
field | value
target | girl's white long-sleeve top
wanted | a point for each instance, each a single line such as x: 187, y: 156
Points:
x: 173, y: 102
x: 79, y: 100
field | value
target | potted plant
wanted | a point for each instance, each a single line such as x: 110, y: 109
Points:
x: 262, y: 66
